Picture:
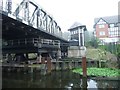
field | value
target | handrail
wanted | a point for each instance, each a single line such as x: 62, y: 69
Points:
x: 30, y: 41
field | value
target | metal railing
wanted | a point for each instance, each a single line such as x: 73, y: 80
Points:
x: 32, y: 41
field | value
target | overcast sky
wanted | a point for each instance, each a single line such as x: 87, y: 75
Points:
x: 66, y: 12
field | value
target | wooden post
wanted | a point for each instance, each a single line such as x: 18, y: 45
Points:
x: 84, y: 83
x: 27, y: 57
x: 48, y: 64
x: 84, y: 67
x: 39, y: 57
x: 43, y: 60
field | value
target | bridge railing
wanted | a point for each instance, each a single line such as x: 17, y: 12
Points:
x: 31, y: 41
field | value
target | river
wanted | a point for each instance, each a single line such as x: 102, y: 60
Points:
x: 57, y: 79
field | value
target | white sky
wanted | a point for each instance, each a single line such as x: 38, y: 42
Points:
x: 66, y: 12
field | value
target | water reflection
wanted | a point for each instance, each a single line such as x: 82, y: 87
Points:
x: 92, y: 84
x: 59, y: 79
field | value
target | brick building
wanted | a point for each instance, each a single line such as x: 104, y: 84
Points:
x: 107, y: 29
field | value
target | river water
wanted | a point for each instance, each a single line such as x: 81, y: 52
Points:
x: 57, y: 79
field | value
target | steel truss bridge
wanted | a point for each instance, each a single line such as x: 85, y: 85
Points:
x: 28, y: 28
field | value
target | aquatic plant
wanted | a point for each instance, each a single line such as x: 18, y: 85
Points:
x: 99, y: 72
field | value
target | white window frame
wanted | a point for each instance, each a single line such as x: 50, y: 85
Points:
x: 112, y: 25
x: 102, y: 33
x: 101, y: 26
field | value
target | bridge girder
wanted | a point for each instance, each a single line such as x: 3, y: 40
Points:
x: 38, y: 18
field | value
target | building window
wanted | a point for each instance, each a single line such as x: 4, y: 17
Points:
x: 101, y: 26
x: 71, y: 32
x: 111, y: 25
x: 113, y: 32
x: 76, y: 31
x: 101, y: 33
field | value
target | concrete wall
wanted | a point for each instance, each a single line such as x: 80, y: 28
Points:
x: 74, y: 51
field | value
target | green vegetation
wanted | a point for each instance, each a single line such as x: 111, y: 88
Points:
x: 111, y: 47
x: 99, y: 72
x: 102, y: 55
x: 95, y: 54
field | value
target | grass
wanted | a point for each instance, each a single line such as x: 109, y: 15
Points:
x: 108, y: 72
x: 95, y: 54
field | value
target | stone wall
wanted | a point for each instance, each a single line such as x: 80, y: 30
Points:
x: 74, y: 51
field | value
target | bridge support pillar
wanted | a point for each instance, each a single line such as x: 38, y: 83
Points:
x: 58, y: 54
x: 40, y: 58
x: 49, y: 65
x: 57, y: 65
x: 70, y: 65
x: 43, y: 60
x: 27, y: 57
x: 9, y: 58
x: 63, y: 65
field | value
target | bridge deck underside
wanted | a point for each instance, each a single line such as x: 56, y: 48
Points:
x: 14, y: 29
